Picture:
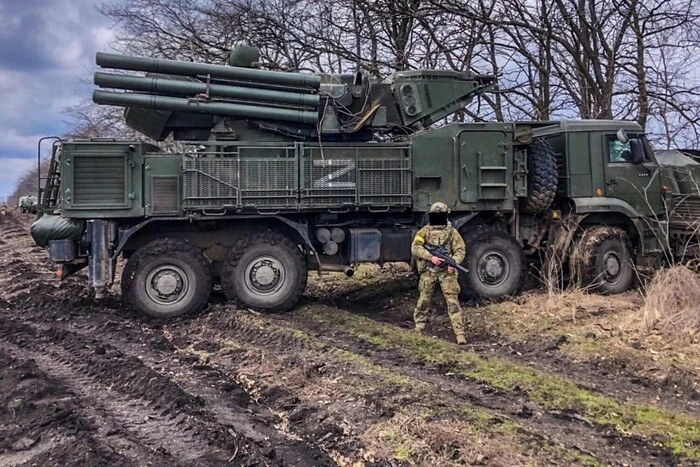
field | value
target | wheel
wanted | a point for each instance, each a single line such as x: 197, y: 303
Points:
x: 167, y: 278
x: 265, y: 272
x: 542, y: 176
x: 602, y: 260
x: 496, y: 264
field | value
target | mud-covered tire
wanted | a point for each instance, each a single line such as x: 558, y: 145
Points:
x: 602, y: 260
x: 542, y: 177
x: 167, y: 278
x: 496, y: 265
x: 265, y: 272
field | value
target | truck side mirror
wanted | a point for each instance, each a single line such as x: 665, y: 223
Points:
x: 637, y: 151
x: 622, y: 136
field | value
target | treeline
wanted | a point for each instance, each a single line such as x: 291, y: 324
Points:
x: 27, y: 184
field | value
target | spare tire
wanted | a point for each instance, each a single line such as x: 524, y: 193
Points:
x: 542, y: 175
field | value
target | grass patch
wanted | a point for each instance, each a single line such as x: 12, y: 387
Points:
x: 679, y: 434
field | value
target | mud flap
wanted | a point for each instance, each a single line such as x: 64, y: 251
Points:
x: 559, y: 244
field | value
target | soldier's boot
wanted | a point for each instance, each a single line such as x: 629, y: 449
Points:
x: 420, y: 328
x: 461, y: 340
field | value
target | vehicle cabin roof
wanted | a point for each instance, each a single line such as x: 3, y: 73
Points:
x: 570, y: 126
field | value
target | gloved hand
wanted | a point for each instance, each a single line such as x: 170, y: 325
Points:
x: 450, y: 270
x: 436, y: 261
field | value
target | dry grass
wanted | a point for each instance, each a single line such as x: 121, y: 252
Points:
x: 573, y: 304
x: 672, y: 303
x: 416, y: 440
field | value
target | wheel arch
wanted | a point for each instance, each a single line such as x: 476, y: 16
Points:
x: 615, y: 219
x: 202, y: 232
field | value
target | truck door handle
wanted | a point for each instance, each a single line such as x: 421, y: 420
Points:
x: 612, y: 182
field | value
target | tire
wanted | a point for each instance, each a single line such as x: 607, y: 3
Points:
x: 542, y: 177
x: 602, y: 260
x: 178, y: 264
x: 496, y: 265
x: 265, y: 272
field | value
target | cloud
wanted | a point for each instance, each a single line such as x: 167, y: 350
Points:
x: 13, y: 142
x: 47, y: 52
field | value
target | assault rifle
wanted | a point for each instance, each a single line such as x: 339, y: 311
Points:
x: 447, y: 260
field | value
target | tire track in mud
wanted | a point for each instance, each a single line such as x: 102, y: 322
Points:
x: 253, y: 337
x: 219, y: 386
x: 151, y: 408
x: 56, y: 422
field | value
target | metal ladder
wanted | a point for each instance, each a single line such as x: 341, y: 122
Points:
x: 50, y: 185
x: 493, y: 183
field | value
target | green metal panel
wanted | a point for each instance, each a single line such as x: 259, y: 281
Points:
x: 486, y: 166
x: 162, y: 184
x: 604, y: 204
x: 434, y: 168
x: 579, y: 159
x: 102, y: 179
x: 468, y: 166
x: 597, y: 158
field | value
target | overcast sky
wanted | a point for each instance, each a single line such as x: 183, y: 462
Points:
x: 46, y: 48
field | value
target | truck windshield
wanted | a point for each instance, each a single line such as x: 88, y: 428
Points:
x: 621, y: 153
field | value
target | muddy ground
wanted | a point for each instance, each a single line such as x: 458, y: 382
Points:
x: 340, y: 380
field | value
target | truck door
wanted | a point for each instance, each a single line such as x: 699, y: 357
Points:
x: 638, y: 184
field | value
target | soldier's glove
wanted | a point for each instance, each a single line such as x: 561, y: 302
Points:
x: 436, y: 261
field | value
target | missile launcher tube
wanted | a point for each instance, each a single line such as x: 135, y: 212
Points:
x: 181, y: 104
x: 175, y: 67
x: 165, y: 85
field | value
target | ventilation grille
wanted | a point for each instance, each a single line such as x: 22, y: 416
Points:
x: 252, y: 182
x: 165, y: 195
x: 685, y: 211
x: 99, y: 181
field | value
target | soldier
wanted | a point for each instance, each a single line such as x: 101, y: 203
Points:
x: 439, y: 231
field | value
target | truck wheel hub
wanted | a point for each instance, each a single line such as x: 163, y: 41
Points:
x: 265, y: 275
x: 166, y: 284
x: 612, y: 265
x: 493, y: 268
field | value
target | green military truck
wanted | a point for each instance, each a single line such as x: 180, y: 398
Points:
x: 276, y: 174
x: 27, y: 204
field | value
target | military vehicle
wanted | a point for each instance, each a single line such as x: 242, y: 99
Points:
x: 279, y: 173
x: 27, y: 204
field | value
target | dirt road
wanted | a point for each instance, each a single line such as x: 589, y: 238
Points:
x: 341, y: 380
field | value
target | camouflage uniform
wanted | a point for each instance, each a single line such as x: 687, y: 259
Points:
x: 449, y: 238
